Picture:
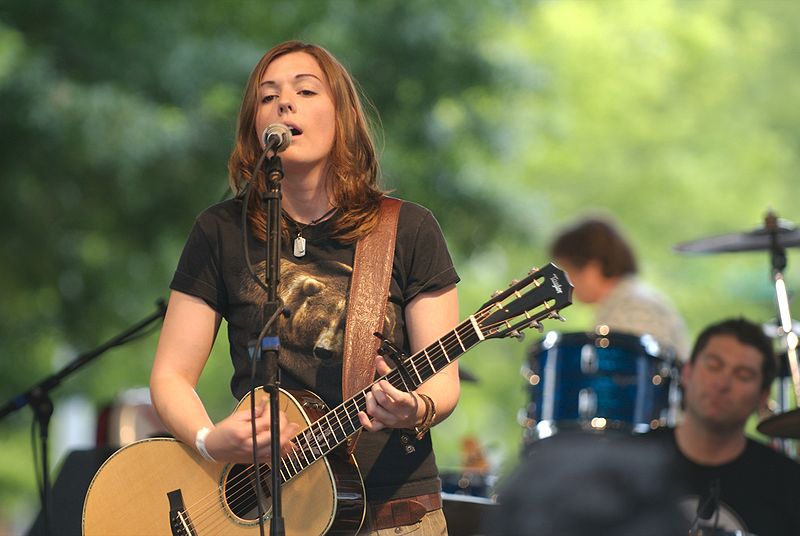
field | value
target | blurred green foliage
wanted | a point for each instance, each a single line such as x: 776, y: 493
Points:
x: 508, y: 118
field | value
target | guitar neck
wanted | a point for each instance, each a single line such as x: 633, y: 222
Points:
x: 333, y: 428
x: 541, y: 294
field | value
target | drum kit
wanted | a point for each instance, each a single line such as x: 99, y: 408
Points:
x: 613, y: 381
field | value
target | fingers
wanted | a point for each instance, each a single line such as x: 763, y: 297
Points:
x: 381, y: 366
x: 388, y: 407
x: 231, y: 440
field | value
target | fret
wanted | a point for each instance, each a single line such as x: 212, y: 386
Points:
x: 354, y: 417
x: 289, y: 470
x: 430, y: 362
x: 332, y: 428
x: 348, y: 420
x: 458, y: 338
x: 305, y: 447
x: 336, y: 414
x: 444, y: 351
x: 316, y: 453
x: 335, y: 425
x: 291, y: 461
x: 402, y: 379
x: 416, y: 371
x: 330, y: 435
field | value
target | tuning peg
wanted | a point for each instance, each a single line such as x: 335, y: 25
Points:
x: 533, y: 270
x: 513, y: 282
x: 537, y: 326
x: 517, y: 335
x: 496, y: 293
x: 555, y: 316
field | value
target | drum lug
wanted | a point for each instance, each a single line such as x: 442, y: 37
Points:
x: 589, y: 363
x: 587, y: 403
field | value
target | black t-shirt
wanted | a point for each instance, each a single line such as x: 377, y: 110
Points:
x: 760, y: 487
x: 315, y: 289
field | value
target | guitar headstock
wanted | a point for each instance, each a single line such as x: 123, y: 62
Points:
x: 539, y: 296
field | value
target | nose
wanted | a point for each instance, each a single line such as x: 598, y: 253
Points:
x: 285, y: 106
x: 723, y: 380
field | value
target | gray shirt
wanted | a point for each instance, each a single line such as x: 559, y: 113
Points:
x: 633, y: 307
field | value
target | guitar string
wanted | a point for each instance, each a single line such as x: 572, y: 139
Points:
x: 242, y: 483
x: 433, y: 355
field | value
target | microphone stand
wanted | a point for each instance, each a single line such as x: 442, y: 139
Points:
x: 38, y: 398
x: 269, y: 341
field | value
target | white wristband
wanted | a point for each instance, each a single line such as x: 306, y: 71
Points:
x: 200, y: 443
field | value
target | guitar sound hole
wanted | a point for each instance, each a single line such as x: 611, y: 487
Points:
x: 241, y: 494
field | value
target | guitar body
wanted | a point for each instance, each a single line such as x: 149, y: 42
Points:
x: 129, y: 494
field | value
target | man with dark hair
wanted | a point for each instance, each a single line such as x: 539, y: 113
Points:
x: 732, y: 481
x: 602, y: 267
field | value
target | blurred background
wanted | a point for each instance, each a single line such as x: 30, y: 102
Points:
x: 508, y: 118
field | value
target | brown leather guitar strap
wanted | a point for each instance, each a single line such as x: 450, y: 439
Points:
x: 366, y: 306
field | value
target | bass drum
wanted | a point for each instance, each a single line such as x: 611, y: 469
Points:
x: 589, y: 381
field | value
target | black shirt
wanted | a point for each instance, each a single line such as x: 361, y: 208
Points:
x: 760, y: 486
x: 315, y: 288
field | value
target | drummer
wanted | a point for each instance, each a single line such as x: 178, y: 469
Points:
x: 733, y: 481
x: 602, y: 267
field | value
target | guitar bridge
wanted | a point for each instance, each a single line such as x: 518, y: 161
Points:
x: 179, y: 522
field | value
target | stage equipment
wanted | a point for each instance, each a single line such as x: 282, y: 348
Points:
x: 774, y: 237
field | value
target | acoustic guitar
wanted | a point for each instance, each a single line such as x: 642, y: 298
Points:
x: 162, y: 486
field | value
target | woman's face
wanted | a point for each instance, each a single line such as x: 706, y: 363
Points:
x: 293, y: 91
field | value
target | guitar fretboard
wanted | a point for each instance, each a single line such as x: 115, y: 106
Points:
x: 333, y: 428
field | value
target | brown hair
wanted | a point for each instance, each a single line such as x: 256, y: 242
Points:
x: 747, y: 333
x: 595, y: 239
x: 353, y: 169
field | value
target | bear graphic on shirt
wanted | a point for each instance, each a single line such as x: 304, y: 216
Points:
x: 315, y: 296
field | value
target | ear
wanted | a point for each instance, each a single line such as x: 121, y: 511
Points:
x: 686, y: 370
x: 763, y: 399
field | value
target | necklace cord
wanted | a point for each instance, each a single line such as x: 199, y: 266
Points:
x: 303, y: 226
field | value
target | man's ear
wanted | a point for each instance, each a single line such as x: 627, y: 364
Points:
x: 763, y: 399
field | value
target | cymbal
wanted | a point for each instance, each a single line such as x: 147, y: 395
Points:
x: 785, y: 424
x: 787, y: 234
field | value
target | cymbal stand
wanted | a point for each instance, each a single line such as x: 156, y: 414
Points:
x: 778, y: 259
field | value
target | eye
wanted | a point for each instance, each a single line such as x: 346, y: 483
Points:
x: 306, y: 92
x: 745, y: 375
x: 268, y: 98
x: 712, y: 363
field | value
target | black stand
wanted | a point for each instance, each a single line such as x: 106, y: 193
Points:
x: 38, y: 397
x: 268, y: 340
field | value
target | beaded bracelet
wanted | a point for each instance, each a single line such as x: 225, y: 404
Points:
x: 427, y: 419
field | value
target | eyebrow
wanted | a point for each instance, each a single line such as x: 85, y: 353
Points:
x: 297, y: 78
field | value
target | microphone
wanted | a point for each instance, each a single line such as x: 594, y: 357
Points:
x: 276, y: 137
x: 707, y: 506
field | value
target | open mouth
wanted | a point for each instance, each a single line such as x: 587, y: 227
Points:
x: 295, y: 131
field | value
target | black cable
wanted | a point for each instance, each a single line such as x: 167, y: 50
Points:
x: 245, y: 248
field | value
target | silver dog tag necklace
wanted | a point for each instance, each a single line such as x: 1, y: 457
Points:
x: 299, y: 240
